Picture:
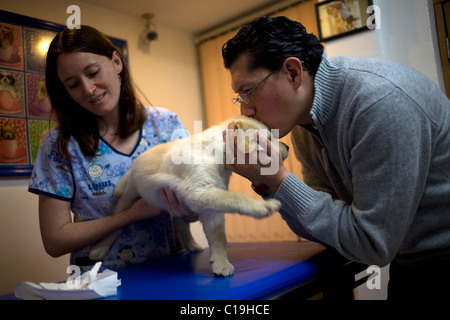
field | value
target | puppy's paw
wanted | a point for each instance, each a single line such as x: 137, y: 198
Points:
x: 265, y: 208
x: 272, y: 205
x: 222, y: 268
x: 98, y: 253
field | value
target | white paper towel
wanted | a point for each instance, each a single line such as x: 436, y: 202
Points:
x: 90, y: 285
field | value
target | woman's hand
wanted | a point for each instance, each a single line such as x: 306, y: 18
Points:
x: 141, y: 210
x: 176, y: 207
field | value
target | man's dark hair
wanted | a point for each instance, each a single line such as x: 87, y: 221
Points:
x: 270, y: 41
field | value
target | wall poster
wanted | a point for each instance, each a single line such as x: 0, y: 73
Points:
x: 25, y: 109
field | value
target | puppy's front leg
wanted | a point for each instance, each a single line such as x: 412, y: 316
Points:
x: 214, y: 228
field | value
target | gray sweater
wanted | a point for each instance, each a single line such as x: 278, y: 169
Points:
x: 376, y: 164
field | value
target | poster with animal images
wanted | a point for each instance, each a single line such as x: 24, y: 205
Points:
x: 25, y: 108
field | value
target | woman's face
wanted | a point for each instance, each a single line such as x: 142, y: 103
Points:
x: 91, y: 80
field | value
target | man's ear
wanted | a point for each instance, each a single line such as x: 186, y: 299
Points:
x: 294, y: 67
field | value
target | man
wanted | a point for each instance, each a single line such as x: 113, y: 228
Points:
x: 373, y: 138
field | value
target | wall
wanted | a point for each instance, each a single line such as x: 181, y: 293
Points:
x: 168, y: 75
x: 406, y: 36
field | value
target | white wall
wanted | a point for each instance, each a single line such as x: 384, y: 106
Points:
x: 406, y: 35
x: 168, y: 75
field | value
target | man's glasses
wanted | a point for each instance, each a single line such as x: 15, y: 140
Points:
x: 244, y: 98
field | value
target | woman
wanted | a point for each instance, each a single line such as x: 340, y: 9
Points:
x: 102, y: 128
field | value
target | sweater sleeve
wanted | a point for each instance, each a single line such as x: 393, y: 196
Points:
x: 389, y: 153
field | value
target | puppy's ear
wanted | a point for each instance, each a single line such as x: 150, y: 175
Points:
x: 244, y: 131
x: 245, y: 123
x: 238, y: 124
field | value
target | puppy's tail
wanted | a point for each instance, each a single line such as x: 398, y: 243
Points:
x: 121, y: 185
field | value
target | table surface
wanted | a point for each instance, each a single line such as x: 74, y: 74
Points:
x: 262, y: 270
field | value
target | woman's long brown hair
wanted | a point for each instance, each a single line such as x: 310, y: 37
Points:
x: 75, y: 121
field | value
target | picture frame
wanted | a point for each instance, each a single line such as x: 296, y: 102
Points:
x: 337, y: 19
x: 25, y: 110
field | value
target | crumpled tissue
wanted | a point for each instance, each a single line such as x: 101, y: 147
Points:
x: 90, y: 285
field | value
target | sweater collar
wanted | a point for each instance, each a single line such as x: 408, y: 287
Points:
x: 327, y: 86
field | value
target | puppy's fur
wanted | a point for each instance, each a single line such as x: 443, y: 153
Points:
x: 202, y: 183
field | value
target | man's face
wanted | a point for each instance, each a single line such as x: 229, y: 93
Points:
x: 272, y: 102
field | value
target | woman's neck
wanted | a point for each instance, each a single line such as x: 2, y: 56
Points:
x: 109, y: 124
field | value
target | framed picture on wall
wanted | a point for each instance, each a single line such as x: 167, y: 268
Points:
x: 25, y: 109
x: 341, y: 18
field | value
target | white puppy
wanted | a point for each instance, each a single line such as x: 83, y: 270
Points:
x: 194, y: 169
